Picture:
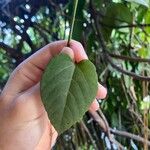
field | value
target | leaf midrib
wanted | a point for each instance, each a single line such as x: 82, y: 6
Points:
x: 69, y: 88
x: 67, y: 95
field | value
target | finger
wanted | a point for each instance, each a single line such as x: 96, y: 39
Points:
x: 102, y: 92
x: 94, y: 106
x: 68, y: 51
x: 78, y: 50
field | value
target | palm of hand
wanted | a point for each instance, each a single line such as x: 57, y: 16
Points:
x: 27, y: 125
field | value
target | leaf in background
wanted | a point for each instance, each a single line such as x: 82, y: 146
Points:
x: 147, y: 21
x: 67, y: 90
x: 98, y: 3
x: 141, y: 13
x: 141, y: 2
x: 114, y: 120
x: 144, y: 52
x: 116, y: 14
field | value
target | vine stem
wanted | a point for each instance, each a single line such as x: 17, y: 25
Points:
x: 72, y: 22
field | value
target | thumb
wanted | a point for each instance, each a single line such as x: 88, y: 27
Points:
x: 68, y: 51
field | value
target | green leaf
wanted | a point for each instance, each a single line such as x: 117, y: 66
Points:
x: 141, y: 2
x: 98, y: 3
x: 142, y: 11
x: 67, y: 90
x: 147, y: 21
x: 144, y: 52
x: 116, y: 15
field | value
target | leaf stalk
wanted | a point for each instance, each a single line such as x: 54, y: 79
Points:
x: 72, y: 22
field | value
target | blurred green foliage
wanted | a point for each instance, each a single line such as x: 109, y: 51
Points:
x: 28, y: 25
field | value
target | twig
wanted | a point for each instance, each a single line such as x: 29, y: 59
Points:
x: 129, y: 135
x: 123, y: 57
x: 125, y: 26
x: 111, y: 138
x: 132, y: 74
x: 98, y: 119
x: 131, y: 110
x: 102, y: 121
x: 105, y: 121
x: 11, y: 51
x: 72, y: 22
x: 7, y: 48
x: 89, y: 134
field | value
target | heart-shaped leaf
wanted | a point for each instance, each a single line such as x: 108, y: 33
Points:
x: 67, y: 90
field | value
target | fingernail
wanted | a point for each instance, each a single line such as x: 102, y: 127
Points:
x: 68, y: 51
x: 102, y: 92
x: 94, y: 106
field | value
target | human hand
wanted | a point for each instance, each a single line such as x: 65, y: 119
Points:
x: 24, y: 124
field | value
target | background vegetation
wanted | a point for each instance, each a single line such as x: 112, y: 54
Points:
x: 116, y: 37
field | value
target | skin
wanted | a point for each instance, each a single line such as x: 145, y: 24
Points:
x: 24, y: 123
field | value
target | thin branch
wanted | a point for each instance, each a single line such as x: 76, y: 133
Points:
x: 98, y: 118
x: 111, y: 138
x: 7, y: 48
x: 89, y: 134
x: 129, y: 135
x: 11, y: 51
x: 125, y: 26
x: 72, y: 22
x: 105, y: 121
x: 132, y: 74
x: 102, y: 121
x: 135, y: 59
